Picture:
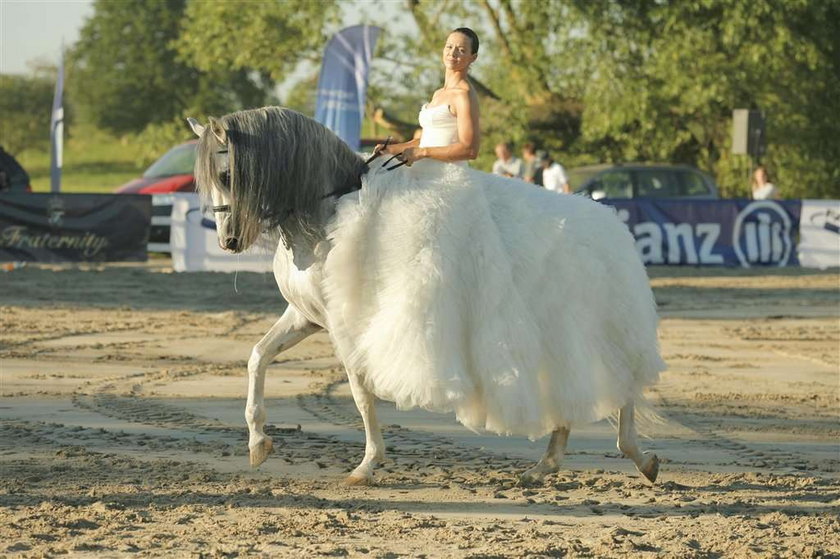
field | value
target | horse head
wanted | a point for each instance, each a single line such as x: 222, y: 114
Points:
x: 270, y: 169
x: 216, y: 185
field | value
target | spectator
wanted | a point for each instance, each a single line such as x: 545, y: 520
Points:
x: 762, y: 188
x: 553, y: 175
x: 12, y: 176
x: 507, y: 165
x: 529, y: 161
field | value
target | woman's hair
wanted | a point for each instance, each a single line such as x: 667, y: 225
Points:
x: 763, y: 169
x: 471, y: 34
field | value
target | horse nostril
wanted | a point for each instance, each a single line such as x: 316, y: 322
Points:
x: 231, y: 243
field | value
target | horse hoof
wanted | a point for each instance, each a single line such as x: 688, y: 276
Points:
x: 530, y: 479
x: 651, y: 469
x: 358, y: 481
x: 260, y: 452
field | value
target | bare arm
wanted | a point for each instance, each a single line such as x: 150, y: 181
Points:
x: 466, y: 112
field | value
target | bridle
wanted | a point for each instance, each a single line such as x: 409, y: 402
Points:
x: 224, y: 207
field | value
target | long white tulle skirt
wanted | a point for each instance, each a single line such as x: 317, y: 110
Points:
x: 517, y: 308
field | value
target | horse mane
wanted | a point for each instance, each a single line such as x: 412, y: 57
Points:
x: 283, y: 165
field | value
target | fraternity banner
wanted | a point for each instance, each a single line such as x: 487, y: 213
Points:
x: 342, y: 86
x: 74, y: 227
x: 713, y: 232
x: 195, y: 245
x: 819, y: 234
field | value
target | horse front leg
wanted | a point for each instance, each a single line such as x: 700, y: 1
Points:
x: 374, y: 444
x: 290, y: 329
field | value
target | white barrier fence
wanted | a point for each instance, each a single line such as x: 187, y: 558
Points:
x: 195, y: 246
x: 161, y: 217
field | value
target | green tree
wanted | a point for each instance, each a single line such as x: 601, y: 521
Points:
x: 129, y: 74
x: 591, y: 80
x: 668, y: 76
x: 270, y: 38
x: 26, y: 104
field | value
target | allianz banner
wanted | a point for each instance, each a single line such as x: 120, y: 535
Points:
x: 713, y: 232
x: 74, y: 227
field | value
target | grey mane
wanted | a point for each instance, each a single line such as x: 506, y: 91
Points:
x: 283, y: 166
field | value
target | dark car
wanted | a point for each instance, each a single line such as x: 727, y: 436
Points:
x: 642, y: 180
x: 12, y: 176
x: 173, y: 172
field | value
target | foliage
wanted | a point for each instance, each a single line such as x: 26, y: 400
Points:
x: 25, y: 103
x: 129, y: 74
x: 677, y: 70
x: 590, y: 80
x: 266, y: 37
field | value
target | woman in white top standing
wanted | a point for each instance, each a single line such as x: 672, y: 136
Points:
x: 762, y: 188
x: 450, y: 119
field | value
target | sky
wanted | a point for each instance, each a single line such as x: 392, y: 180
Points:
x: 32, y: 30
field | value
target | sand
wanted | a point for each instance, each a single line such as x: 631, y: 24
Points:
x: 122, y: 391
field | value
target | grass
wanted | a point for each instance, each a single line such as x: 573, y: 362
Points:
x: 94, y: 162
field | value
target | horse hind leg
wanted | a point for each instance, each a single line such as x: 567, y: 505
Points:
x: 550, y: 462
x: 290, y: 329
x: 647, y: 463
x: 374, y: 444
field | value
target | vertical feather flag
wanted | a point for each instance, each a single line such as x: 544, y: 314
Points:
x: 343, y: 82
x: 57, y: 128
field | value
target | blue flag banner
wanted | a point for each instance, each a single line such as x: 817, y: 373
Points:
x: 743, y: 233
x: 343, y: 83
x: 57, y: 129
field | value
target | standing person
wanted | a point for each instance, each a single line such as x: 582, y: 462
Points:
x: 529, y: 161
x: 762, y: 188
x: 507, y: 164
x: 554, y: 176
x: 450, y: 120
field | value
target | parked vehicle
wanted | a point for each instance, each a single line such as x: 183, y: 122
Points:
x: 173, y: 172
x: 642, y: 180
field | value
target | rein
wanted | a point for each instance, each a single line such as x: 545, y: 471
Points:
x: 357, y: 184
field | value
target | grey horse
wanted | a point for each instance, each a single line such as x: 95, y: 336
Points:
x: 273, y: 171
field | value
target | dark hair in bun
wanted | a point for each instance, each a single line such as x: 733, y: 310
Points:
x: 471, y: 34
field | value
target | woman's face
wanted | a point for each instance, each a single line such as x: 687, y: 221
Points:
x: 457, y: 52
x: 760, y: 176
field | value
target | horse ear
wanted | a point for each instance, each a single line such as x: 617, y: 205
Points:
x: 218, y: 131
x: 196, y: 127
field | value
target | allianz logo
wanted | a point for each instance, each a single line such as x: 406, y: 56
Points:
x: 761, y: 235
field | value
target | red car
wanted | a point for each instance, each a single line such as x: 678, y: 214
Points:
x: 171, y: 173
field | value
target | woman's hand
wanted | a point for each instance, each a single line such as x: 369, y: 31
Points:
x: 410, y: 155
x: 379, y: 149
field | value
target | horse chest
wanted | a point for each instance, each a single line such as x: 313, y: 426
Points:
x: 299, y: 281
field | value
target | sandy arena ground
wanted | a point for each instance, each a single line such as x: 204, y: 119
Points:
x: 122, y: 433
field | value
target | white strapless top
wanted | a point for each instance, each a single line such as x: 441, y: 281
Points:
x: 440, y: 127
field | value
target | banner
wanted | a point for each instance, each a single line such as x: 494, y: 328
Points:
x: 57, y: 129
x: 342, y: 86
x: 819, y: 234
x: 713, y: 232
x: 195, y: 245
x: 74, y: 227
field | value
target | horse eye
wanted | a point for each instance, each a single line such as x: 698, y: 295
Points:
x: 224, y: 177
